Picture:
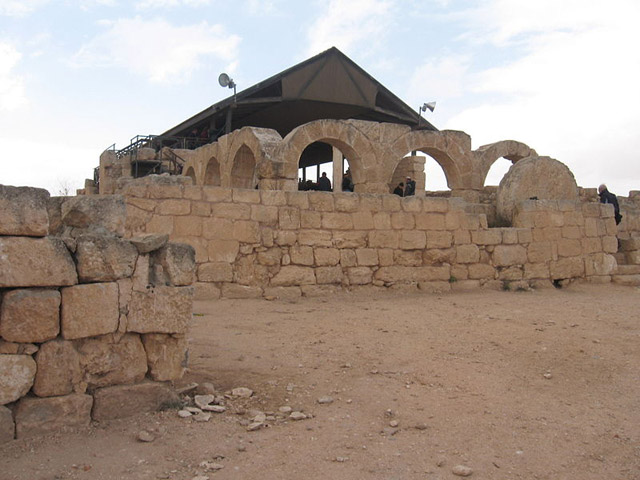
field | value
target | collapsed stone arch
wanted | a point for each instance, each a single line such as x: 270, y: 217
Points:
x: 353, y: 144
x: 487, y: 155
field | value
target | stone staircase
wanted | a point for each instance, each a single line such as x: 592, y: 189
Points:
x: 628, y: 258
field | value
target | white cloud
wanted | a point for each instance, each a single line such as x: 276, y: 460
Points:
x: 156, y: 49
x: 349, y: 23
x: 573, y: 94
x: 19, y: 8
x: 261, y: 7
x: 145, y: 4
x: 12, y: 95
x: 441, y: 78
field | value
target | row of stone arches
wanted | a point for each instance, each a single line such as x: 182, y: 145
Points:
x: 376, y: 153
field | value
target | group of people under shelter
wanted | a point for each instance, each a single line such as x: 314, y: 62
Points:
x: 405, y: 189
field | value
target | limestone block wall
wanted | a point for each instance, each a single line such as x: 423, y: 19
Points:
x: 88, y: 320
x: 252, y: 243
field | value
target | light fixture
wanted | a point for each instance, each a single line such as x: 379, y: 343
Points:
x: 431, y: 106
x: 226, y: 81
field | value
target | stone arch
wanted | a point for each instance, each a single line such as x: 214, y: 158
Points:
x: 487, y: 155
x: 443, y: 147
x: 212, y: 173
x: 353, y: 144
x: 189, y: 171
x: 243, y: 170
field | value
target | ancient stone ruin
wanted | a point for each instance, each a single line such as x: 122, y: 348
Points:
x: 92, y: 325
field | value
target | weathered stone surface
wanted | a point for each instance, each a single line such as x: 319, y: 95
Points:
x: 541, y: 177
x: 58, y: 370
x: 215, y: 272
x: 125, y: 400
x: 35, y: 262
x: 108, y: 360
x: 90, y: 310
x: 16, y: 376
x: 102, y: 258
x: 166, y: 356
x: 507, y: 255
x: 30, y: 315
x: 95, y: 214
x: 567, y: 268
x: 40, y: 416
x: 600, y: 264
x: 7, y: 427
x: 161, y: 310
x: 233, y: 290
x: 23, y: 211
x: 178, y: 261
x: 149, y: 242
x: 294, y: 275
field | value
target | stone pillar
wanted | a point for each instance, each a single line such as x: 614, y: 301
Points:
x: 338, y: 166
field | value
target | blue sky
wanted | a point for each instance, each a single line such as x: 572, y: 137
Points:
x: 562, y: 76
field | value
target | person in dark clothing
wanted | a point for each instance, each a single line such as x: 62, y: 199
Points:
x: 410, y: 187
x: 399, y: 190
x: 324, y: 184
x: 607, y: 197
x: 347, y: 184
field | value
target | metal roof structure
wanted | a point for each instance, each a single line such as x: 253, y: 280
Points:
x: 327, y: 86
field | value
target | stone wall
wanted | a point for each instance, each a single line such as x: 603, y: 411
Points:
x: 252, y: 243
x: 88, y: 320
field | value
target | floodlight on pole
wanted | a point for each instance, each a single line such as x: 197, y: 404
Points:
x: 226, y: 81
x: 431, y: 106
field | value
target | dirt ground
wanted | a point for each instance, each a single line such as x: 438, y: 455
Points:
x: 531, y: 385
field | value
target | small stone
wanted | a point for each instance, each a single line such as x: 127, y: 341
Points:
x: 462, y: 471
x: 193, y: 410
x: 203, y: 400
x: 325, y: 400
x: 341, y: 459
x: 548, y: 376
x: 297, y: 416
x: 393, y: 423
x: 201, y: 477
x: 260, y: 418
x: 285, y: 409
x: 145, y: 437
x: 390, y: 431
x: 211, y: 466
x: 252, y: 427
x: 207, y: 388
x: 214, y: 408
x: 290, y: 387
x: 202, y: 417
x: 242, y: 392
x: 184, y: 414
x: 421, y: 426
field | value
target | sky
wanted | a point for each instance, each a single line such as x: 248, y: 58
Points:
x: 562, y: 76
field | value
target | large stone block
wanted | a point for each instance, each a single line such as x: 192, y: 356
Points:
x: 348, y: 239
x: 23, y: 211
x: 149, y: 242
x: 161, y: 310
x: 30, y: 315
x: 293, y: 275
x: 223, y: 250
x: 178, y: 262
x: 600, y: 264
x: 166, y: 356
x: 95, y: 214
x: 360, y: 275
x: 103, y: 258
x: 17, y: 373
x: 90, y: 310
x: 35, y: 262
x: 110, y: 360
x: 126, y: 400
x: 301, y: 255
x: 326, y: 256
x: 58, y: 370
x: 412, y: 240
x: 233, y: 290
x: 541, y: 177
x: 481, y: 271
x: 567, y: 268
x: 467, y: 253
x: 7, y: 426
x: 508, y: 255
x: 215, y: 272
x: 41, y: 416
x: 329, y: 275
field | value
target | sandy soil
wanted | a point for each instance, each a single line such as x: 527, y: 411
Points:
x: 531, y: 385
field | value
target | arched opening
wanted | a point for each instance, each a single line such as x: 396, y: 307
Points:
x: 497, y: 171
x: 191, y: 173
x: 488, y: 194
x: 243, y: 172
x: 212, y: 173
x: 423, y: 169
x: 323, y: 167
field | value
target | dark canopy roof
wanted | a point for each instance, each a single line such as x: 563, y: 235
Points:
x: 329, y: 85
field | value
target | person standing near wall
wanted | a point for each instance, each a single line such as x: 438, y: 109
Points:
x: 607, y: 197
x: 399, y: 190
x: 410, y: 187
x: 324, y: 184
